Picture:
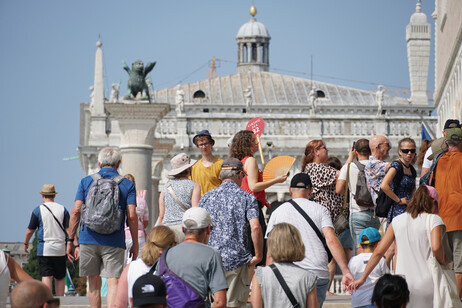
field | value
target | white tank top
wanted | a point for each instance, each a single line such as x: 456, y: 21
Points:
x: 4, y: 279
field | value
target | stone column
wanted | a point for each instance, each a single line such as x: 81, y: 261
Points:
x: 259, y: 55
x: 249, y: 52
x: 137, y: 124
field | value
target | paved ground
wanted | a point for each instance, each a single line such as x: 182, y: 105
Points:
x: 337, y: 301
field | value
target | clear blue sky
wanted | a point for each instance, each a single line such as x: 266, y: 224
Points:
x: 47, y: 50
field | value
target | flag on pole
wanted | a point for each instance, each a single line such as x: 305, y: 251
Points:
x: 69, y: 288
x: 425, y: 134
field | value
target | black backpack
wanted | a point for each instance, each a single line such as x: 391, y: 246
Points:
x: 362, y: 195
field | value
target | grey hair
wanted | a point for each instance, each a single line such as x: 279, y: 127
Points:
x: 453, y: 143
x: 109, y: 157
x: 229, y: 174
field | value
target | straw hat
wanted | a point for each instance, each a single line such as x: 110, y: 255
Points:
x: 48, y: 190
x: 180, y: 163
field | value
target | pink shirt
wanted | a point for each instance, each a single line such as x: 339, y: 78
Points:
x: 143, y: 214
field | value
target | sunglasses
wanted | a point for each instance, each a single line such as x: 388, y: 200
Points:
x: 406, y: 151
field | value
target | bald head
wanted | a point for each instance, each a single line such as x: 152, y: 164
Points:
x: 30, y: 294
x: 380, y: 147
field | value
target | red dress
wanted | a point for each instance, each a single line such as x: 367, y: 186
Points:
x: 260, y: 195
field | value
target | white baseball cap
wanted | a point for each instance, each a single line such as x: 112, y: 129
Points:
x: 196, y: 218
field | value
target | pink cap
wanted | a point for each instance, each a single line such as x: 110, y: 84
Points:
x: 433, y: 193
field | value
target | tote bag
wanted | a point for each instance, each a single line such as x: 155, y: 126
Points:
x: 445, y: 292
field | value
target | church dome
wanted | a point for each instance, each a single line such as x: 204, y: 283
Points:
x: 253, y: 28
x: 418, y: 18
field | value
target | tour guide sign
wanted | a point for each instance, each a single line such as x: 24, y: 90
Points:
x: 257, y: 125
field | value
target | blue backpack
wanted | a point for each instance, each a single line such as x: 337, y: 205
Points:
x: 180, y: 293
x: 429, y: 177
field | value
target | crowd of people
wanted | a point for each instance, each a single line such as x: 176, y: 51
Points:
x: 213, y: 247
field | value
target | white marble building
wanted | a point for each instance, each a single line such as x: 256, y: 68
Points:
x: 448, y: 61
x: 295, y: 111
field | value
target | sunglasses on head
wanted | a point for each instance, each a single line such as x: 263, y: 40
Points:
x: 406, y: 151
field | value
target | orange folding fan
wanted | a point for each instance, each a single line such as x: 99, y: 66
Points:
x: 277, y: 166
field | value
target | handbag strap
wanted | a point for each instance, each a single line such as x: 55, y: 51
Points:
x: 59, y: 223
x: 172, y: 193
x: 313, y: 226
x: 345, y: 197
x: 284, y: 286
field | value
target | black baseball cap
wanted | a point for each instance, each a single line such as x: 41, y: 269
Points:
x: 451, y: 123
x: 301, y: 178
x: 149, y: 289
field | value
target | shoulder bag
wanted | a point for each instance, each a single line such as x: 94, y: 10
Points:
x: 341, y: 220
x: 318, y: 233
x: 384, y: 203
x: 172, y: 193
x: 59, y: 223
x: 445, y: 292
x: 284, y: 286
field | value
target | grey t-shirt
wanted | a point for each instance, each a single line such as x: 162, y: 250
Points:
x: 199, y: 265
x: 299, y: 280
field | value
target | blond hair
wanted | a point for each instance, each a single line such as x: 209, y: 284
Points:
x: 285, y: 243
x: 159, y: 239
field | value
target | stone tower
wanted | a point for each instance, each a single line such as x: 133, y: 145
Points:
x: 253, y: 46
x: 418, y: 54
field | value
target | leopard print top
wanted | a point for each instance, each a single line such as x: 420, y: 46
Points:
x: 323, y: 179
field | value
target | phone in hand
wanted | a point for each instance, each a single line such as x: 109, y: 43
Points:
x: 353, y: 147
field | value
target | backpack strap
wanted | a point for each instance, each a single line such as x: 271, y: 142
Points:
x: 163, y: 268
x: 284, y: 286
x: 118, y: 179
x: 314, y: 227
x: 96, y: 176
x: 345, y: 197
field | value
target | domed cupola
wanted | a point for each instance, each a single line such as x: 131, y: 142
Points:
x: 253, y: 46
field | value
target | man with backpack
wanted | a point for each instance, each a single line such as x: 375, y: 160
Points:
x: 448, y: 183
x: 376, y: 168
x: 361, y: 205
x: 199, y: 267
x: 102, y: 202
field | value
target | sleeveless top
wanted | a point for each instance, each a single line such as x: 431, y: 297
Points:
x: 183, y: 189
x: 260, y: 195
x: 4, y: 279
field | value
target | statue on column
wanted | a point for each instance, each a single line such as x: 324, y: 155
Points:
x: 137, y: 86
x: 248, y: 98
x: 114, y: 93
x: 179, y: 100
x: 313, y: 97
x: 379, y: 99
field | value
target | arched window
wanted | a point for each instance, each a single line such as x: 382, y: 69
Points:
x: 199, y: 94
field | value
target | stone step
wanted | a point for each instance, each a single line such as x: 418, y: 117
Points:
x: 335, y: 301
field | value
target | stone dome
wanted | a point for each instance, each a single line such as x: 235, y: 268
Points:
x: 418, y: 18
x: 253, y: 28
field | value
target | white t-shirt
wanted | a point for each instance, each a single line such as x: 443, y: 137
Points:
x: 427, y: 163
x: 315, y: 255
x: 414, y: 251
x: 354, y: 171
x: 137, y: 269
x: 362, y: 296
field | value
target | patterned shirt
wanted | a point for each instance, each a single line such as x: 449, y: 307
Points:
x: 230, y: 208
x: 375, y: 172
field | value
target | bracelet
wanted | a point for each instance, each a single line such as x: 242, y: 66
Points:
x: 78, y: 245
x: 70, y: 239
x: 26, y: 244
x: 399, y: 201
